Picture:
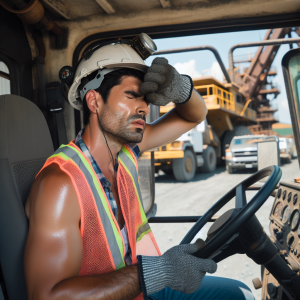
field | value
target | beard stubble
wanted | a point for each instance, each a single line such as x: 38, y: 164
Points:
x: 118, y: 126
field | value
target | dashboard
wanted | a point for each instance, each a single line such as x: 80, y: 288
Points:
x: 285, y: 234
x: 285, y: 221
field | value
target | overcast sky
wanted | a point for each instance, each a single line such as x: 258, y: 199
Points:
x: 204, y: 63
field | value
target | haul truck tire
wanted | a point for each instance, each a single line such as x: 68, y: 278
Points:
x: 210, y: 160
x: 237, y: 131
x: 184, y: 169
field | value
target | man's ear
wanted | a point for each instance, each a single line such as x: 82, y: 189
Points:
x: 94, y: 101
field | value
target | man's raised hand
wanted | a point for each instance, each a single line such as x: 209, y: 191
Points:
x: 163, y: 84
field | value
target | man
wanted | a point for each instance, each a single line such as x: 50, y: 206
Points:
x: 88, y: 235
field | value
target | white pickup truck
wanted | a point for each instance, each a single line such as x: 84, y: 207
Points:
x: 286, y: 146
x: 242, y: 152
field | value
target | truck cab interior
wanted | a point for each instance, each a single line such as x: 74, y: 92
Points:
x: 38, y: 38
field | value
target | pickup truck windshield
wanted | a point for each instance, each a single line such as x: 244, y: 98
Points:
x: 249, y: 141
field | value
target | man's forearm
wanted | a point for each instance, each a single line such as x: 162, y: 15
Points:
x: 121, y: 284
x: 194, y: 110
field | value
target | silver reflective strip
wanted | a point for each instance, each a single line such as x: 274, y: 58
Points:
x: 141, y: 230
x: 113, y: 245
x: 96, y: 82
x: 131, y: 167
x: 59, y: 149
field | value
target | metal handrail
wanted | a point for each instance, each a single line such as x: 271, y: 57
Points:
x: 217, y: 96
x: 255, y: 44
x: 198, y: 48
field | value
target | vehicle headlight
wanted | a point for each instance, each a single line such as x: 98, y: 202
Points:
x: 228, y: 155
x: 176, y: 145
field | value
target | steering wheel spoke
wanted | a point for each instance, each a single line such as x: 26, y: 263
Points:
x: 240, y: 196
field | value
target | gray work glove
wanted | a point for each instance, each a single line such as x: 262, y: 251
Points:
x: 163, y: 84
x: 177, y: 269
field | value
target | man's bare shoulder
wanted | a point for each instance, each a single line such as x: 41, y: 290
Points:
x: 54, y: 240
x: 54, y: 174
x: 51, y: 189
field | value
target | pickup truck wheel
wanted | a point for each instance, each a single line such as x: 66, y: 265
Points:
x: 210, y: 160
x: 229, y: 169
x: 184, y: 169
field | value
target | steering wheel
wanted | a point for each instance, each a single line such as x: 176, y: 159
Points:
x: 227, y: 227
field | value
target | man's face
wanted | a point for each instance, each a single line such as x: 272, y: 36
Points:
x: 124, y: 114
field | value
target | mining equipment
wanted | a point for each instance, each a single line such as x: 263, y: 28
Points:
x: 237, y: 107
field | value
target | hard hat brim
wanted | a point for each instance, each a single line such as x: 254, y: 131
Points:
x: 76, y: 102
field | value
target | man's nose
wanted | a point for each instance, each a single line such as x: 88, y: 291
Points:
x: 143, y: 108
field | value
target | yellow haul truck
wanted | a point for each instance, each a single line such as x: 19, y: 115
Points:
x: 202, y: 147
x: 38, y: 38
x: 228, y: 112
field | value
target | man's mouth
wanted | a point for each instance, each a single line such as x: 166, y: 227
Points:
x: 139, y: 124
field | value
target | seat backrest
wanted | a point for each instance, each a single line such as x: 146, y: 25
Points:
x: 25, y: 144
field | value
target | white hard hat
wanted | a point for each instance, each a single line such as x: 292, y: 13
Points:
x: 105, y: 59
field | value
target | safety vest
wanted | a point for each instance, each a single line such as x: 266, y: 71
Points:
x: 103, y: 243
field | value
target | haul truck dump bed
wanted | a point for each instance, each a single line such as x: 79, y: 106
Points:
x: 201, y: 148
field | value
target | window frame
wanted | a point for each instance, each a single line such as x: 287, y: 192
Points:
x: 13, y: 74
x: 293, y: 106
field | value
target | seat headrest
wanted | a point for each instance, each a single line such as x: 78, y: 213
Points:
x: 22, y: 128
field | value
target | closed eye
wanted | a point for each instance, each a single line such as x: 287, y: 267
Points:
x: 134, y: 94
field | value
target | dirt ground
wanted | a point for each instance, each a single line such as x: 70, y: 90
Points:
x: 195, y: 198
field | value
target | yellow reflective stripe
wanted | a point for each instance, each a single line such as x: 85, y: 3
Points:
x: 144, y: 218
x: 103, y: 200
x: 125, y: 150
x: 142, y: 230
x: 122, y: 264
x: 62, y: 155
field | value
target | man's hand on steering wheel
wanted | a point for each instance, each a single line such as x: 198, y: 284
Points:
x: 177, y: 269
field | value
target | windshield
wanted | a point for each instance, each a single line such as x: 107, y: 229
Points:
x: 247, y: 141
